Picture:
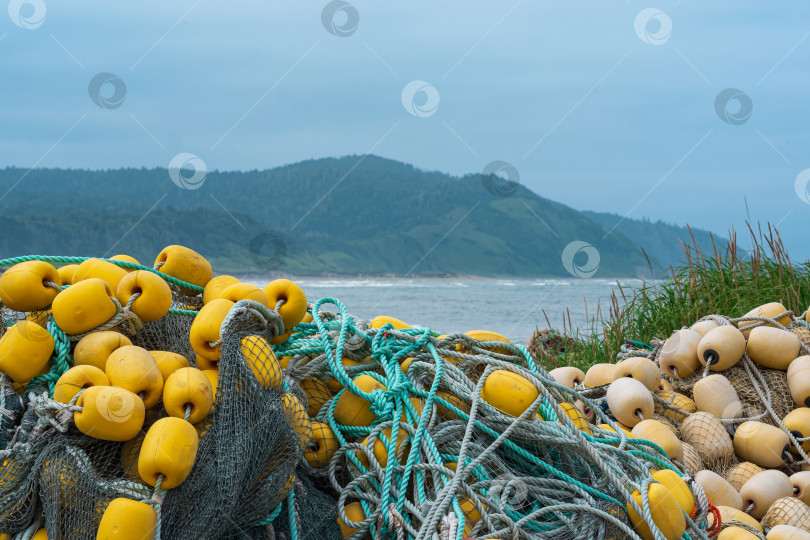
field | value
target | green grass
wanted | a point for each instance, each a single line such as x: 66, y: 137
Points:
x: 726, y: 282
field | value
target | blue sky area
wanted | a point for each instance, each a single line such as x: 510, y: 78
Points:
x: 608, y: 105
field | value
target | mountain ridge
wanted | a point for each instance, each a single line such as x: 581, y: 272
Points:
x: 351, y: 215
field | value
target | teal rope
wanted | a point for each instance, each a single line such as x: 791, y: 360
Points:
x: 123, y: 264
x: 60, y: 358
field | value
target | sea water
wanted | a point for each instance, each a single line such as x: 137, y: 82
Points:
x: 512, y: 307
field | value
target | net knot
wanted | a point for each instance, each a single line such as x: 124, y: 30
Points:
x: 49, y: 411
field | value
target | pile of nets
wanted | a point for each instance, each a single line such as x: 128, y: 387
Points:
x: 729, y: 400
x: 297, y: 420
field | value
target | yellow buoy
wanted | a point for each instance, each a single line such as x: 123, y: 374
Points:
x: 204, y: 363
x: 294, y: 301
x: 678, y: 357
x: 655, y: 431
x: 801, y: 486
x: 206, y: 326
x: 772, y: 347
x: 691, y: 458
x: 487, y: 335
x: 317, y: 394
x: 763, y: 489
x: 732, y: 514
x: 576, y: 415
x: 568, y: 376
x: 787, y: 511
x: 353, y: 410
x: 381, y: 320
x: 721, y: 347
x: 798, y: 379
x: 98, y: 268
x: 354, y: 513
x: 736, y: 533
x: 718, y: 490
x: 674, y: 399
x: 188, y: 387
x: 641, y: 369
x: 676, y: 485
x: 213, y: 378
x: 66, y: 273
x: 629, y: 401
x: 186, y: 265
x: 761, y: 444
x: 155, y: 296
x: 125, y: 519
x: 704, y: 326
x: 169, y: 362
x: 243, y: 291
x: 323, y: 446
x: 25, y: 350
x: 83, y: 306
x: 798, y: 423
x: 214, y: 288
x: 380, y: 448
x: 509, y: 392
x: 125, y: 258
x: 94, y: 349
x: 262, y: 362
x: 109, y: 413
x: 716, y: 395
x: 711, y: 440
x: 770, y: 310
x: 169, y: 449
x: 444, y: 412
x: 665, y: 510
x: 599, y: 375
x: 787, y: 532
x: 135, y: 369
x: 23, y: 287
x: 76, y: 379
x: 740, y: 473
x: 297, y: 417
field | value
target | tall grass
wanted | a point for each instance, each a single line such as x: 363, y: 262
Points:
x: 728, y: 281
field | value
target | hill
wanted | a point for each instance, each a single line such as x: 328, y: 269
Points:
x: 347, y: 215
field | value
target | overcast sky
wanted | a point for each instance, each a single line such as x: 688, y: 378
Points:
x: 602, y: 105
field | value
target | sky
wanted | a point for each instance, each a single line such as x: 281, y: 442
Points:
x: 680, y: 111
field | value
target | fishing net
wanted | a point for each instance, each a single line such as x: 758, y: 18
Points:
x: 763, y: 393
x: 439, y: 446
x: 436, y: 460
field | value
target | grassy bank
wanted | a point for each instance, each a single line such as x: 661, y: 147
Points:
x: 726, y: 282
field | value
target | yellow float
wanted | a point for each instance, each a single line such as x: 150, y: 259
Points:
x: 77, y: 379
x: 84, y: 306
x: 109, y: 413
x: 186, y: 265
x: 721, y: 347
x: 509, y: 392
x: 134, y: 369
x: 24, y: 287
x: 188, y: 388
x: 94, y: 349
x: 25, y: 350
x: 206, y: 326
x: 98, y: 268
x: 169, y: 450
x: 125, y: 519
x: 169, y: 362
x: 262, y: 362
x: 294, y: 301
x: 155, y: 296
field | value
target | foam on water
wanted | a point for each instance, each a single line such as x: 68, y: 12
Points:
x: 513, y: 307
